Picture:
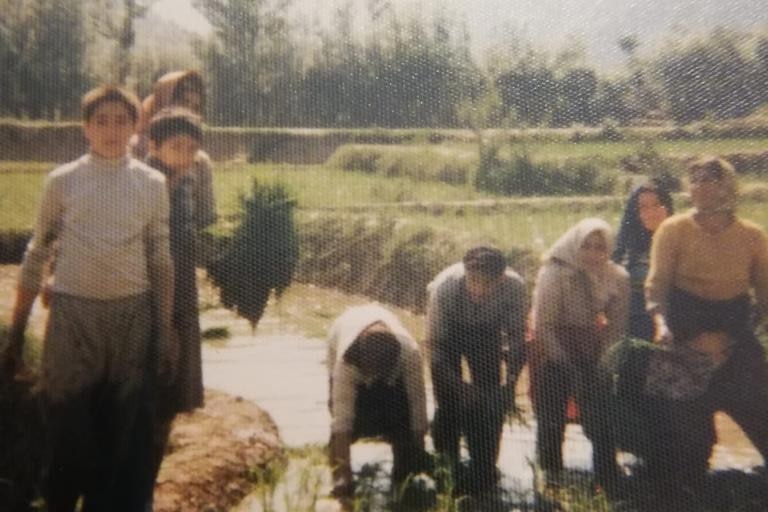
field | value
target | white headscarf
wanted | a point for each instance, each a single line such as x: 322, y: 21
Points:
x: 566, y: 250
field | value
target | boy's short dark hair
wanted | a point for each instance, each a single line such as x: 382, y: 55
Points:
x: 174, y: 121
x: 486, y: 260
x: 107, y: 93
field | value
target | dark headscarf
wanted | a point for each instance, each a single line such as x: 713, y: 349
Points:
x: 633, y: 239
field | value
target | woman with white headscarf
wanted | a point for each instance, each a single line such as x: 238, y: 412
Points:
x: 580, y: 307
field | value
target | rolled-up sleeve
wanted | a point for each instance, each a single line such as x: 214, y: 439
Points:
x: 46, y: 231
x: 344, y: 394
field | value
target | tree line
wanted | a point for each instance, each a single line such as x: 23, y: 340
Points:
x: 266, y: 68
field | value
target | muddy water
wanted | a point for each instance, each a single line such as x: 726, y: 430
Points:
x: 285, y: 373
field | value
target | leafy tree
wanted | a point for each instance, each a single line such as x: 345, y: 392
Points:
x: 42, y: 50
x: 406, y: 73
x: 529, y: 89
x: 56, y: 59
x: 248, y: 61
x: 709, y: 76
x: 114, y: 21
x: 577, y: 89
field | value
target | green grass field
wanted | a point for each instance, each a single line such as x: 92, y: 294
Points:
x: 317, y: 187
x: 518, y: 223
x: 19, y: 197
x: 612, y: 152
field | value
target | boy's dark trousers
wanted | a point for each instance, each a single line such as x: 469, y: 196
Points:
x: 94, y: 362
x: 109, y: 473
x: 383, y: 411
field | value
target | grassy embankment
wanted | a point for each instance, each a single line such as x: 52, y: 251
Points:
x: 531, y: 224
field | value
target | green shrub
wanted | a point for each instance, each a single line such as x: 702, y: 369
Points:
x: 522, y: 176
x: 383, y: 259
x: 356, y: 158
x: 422, y: 163
x: 649, y: 162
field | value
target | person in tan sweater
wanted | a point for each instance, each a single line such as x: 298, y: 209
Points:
x: 707, y: 265
x: 580, y: 308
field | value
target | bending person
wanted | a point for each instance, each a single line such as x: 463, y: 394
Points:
x: 580, y: 307
x: 376, y: 385
x: 476, y: 313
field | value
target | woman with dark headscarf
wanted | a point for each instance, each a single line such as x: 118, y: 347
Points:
x: 647, y: 207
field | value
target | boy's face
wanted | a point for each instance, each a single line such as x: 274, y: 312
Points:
x: 176, y: 152
x: 109, y: 129
x: 480, y: 286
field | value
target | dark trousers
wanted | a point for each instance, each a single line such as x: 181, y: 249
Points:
x: 93, y: 370
x: 481, y: 423
x: 740, y: 386
x: 554, y: 384
x: 107, y: 471
x: 383, y: 411
x: 674, y: 438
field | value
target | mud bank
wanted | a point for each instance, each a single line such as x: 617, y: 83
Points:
x: 212, y: 453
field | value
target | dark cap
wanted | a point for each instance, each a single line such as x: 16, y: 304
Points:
x: 486, y: 260
x: 173, y: 121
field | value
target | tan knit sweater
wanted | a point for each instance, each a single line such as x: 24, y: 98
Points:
x: 711, y: 266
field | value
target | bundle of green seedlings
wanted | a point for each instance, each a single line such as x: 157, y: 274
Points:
x: 261, y: 255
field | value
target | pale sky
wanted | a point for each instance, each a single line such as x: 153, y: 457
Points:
x: 547, y: 23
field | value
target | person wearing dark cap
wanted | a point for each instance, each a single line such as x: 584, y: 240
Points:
x: 175, y: 138
x: 476, y: 314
